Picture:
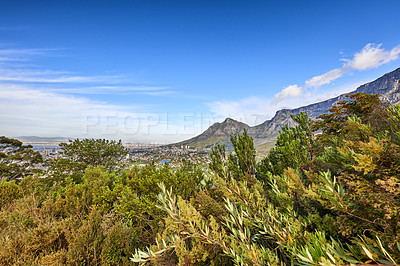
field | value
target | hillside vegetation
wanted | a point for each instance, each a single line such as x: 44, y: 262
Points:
x: 328, y: 193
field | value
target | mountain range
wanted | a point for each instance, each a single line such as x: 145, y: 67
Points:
x: 265, y: 134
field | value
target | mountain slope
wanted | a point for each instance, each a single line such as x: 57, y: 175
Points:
x: 265, y: 134
x: 218, y: 133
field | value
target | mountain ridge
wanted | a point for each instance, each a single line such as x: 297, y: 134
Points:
x: 265, y: 134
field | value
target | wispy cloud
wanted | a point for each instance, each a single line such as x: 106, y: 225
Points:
x: 46, y: 77
x: 371, y: 56
x: 12, y: 72
x: 23, y: 54
x: 32, y: 111
x: 48, y: 102
x: 288, y: 92
x: 115, y: 89
x: 24, y: 110
x: 326, y: 78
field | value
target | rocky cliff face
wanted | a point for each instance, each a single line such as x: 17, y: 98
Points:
x: 226, y: 128
x: 387, y: 86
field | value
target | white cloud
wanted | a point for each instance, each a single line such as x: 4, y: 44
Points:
x: 11, y: 73
x: 371, y: 56
x: 326, y: 78
x: 288, y: 92
x: 27, y: 111
x: 147, y: 90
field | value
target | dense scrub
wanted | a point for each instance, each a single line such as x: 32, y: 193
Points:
x: 328, y: 193
x: 74, y: 216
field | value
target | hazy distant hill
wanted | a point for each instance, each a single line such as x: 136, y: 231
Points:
x: 41, y: 140
x: 265, y: 134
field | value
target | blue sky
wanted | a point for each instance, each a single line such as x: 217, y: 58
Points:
x: 163, y: 71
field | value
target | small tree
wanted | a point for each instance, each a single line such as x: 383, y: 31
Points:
x: 368, y: 107
x: 292, y: 148
x: 77, y: 155
x: 95, y: 152
x: 243, y: 160
x: 17, y: 160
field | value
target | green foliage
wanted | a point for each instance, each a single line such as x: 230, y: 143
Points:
x: 238, y: 164
x: 219, y: 160
x: 137, y: 195
x: 242, y: 162
x: 77, y: 155
x: 99, y: 220
x: 247, y: 234
x: 368, y: 108
x: 292, y: 148
x: 62, y: 169
x: 9, y: 191
x: 17, y: 160
x: 95, y: 152
x: 302, y: 213
x: 362, y: 152
x: 253, y: 232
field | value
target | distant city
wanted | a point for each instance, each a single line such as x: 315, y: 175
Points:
x: 139, y: 154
